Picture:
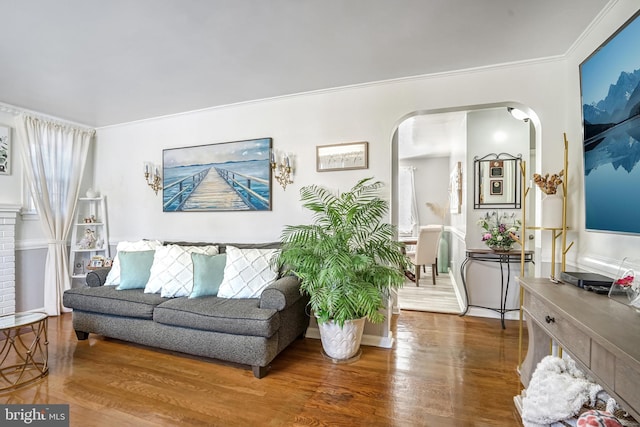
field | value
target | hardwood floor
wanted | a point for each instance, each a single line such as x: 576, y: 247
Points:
x: 440, y: 298
x: 444, y: 370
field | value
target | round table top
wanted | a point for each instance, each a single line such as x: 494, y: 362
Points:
x: 17, y: 320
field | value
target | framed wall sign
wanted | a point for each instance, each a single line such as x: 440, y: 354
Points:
x: 335, y: 157
x: 496, y: 187
x: 5, y: 150
x: 496, y: 170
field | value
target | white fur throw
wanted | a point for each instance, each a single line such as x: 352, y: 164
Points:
x: 557, y: 391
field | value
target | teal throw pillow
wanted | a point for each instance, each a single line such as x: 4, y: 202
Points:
x: 208, y: 272
x: 135, y: 269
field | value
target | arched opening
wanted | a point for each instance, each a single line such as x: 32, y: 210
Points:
x: 439, y: 146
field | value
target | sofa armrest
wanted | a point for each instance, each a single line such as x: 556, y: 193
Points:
x: 97, y: 277
x: 281, y: 294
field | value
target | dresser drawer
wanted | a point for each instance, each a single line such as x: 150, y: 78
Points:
x: 574, y: 341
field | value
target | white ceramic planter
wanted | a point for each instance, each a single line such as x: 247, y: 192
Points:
x: 341, y: 343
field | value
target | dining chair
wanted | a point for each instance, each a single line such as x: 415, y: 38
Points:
x: 426, y: 251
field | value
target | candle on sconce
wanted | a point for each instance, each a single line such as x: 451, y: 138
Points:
x: 157, y: 172
x: 286, y: 156
x: 146, y: 168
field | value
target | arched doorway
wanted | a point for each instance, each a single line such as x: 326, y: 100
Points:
x: 435, y: 144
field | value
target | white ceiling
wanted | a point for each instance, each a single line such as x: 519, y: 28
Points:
x: 100, y: 62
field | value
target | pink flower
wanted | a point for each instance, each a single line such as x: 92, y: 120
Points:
x: 625, y: 281
x: 487, y: 236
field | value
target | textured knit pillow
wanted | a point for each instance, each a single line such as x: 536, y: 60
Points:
x: 113, y: 278
x: 595, y: 418
x: 247, y: 272
x: 135, y: 268
x: 208, y: 272
x: 172, y: 270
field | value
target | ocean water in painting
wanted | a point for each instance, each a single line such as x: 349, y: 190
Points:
x: 237, y: 179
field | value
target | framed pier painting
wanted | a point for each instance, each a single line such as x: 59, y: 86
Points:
x: 229, y: 176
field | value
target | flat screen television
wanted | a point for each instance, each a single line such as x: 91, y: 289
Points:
x: 610, y: 91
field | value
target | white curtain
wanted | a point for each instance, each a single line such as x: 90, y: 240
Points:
x: 54, y: 156
x: 408, y: 219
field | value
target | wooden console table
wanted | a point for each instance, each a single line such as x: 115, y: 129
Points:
x: 601, y: 335
x: 503, y: 258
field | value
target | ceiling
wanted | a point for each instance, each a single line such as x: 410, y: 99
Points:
x: 100, y: 63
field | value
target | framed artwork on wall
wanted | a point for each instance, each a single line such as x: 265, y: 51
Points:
x: 455, y: 189
x: 610, y: 91
x: 495, y: 187
x: 5, y: 150
x: 497, y: 169
x: 335, y: 157
x: 229, y: 176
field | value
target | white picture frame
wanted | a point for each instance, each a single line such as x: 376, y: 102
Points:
x: 335, y: 157
x: 5, y: 150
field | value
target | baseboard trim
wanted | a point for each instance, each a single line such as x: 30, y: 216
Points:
x: 371, y: 340
x: 483, y: 312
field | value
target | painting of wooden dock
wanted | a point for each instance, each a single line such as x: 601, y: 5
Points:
x: 230, y: 176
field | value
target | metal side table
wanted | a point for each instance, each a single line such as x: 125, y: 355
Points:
x: 24, y: 350
x: 504, y: 259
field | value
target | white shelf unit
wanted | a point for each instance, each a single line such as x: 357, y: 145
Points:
x: 94, y: 209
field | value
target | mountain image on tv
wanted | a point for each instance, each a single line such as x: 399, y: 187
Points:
x: 616, y: 120
x: 610, y: 89
x: 622, y: 103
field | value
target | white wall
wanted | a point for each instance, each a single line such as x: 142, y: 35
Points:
x: 297, y: 124
x: 491, y: 131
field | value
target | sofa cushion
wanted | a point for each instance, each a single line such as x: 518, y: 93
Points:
x: 134, y: 269
x: 109, y: 300
x: 113, y: 278
x: 232, y: 316
x: 247, y: 272
x: 172, y: 269
x: 208, y: 272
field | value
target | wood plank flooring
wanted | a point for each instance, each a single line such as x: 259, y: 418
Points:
x: 440, y: 298
x: 444, y: 370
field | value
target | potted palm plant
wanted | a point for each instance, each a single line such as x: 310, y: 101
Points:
x: 347, y: 261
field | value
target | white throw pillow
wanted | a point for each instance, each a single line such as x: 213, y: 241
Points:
x: 247, y: 273
x: 172, y: 270
x: 113, y: 278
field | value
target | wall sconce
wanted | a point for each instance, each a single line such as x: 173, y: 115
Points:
x: 152, y: 176
x: 283, y: 171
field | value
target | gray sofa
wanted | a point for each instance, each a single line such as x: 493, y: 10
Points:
x: 247, y: 331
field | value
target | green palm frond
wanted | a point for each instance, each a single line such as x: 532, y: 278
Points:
x: 347, y: 259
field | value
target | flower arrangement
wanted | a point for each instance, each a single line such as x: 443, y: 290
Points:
x: 500, y: 230
x: 548, y: 184
x: 625, y: 281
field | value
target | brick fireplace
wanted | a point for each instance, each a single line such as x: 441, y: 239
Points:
x: 8, y: 214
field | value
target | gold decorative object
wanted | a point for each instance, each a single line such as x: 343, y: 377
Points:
x: 282, y: 171
x: 152, y: 177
